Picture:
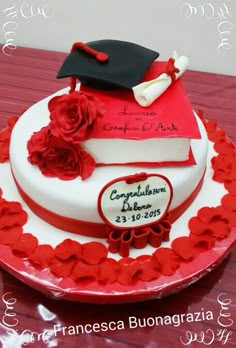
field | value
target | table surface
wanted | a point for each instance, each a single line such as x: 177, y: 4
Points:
x: 207, y: 308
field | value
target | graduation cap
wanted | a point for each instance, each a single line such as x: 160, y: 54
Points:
x: 107, y: 64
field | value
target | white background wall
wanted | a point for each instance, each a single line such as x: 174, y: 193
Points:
x: 203, y: 30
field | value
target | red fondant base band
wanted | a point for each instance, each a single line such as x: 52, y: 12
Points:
x: 93, y: 229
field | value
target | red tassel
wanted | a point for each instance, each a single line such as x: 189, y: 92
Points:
x: 100, y: 56
x: 72, y: 84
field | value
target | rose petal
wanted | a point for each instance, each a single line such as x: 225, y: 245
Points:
x: 219, y: 176
x: 12, y: 214
x: 11, y: 220
x: 230, y: 216
x: 220, y: 229
x: 10, y: 235
x: 93, y: 252
x: 224, y: 147
x: 200, y: 114
x: 67, y: 249
x: 53, y: 102
x: 207, y: 214
x: 216, y: 136
x: 42, y: 255
x: 204, y: 241
x: 108, y: 272
x: 61, y: 269
x: 197, y: 227
x: 229, y: 202
x: 25, y: 245
x: 223, y: 162
x: 168, y: 260
x: 149, y: 268
x: 211, y: 126
x: 129, y: 269
x: 184, y: 247
x: 88, y: 165
x: 5, y: 136
x: 82, y: 271
x: 12, y: 121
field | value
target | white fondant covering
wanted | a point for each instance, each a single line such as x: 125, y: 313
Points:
x: 77, y: 199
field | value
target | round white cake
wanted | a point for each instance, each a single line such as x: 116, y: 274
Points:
x: 77, y: 199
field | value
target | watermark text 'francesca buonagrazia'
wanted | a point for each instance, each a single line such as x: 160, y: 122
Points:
x: 221, y: 13
x: 25, y: 10
x: 220, y: 332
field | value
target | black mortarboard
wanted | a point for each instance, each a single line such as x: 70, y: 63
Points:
x: 108, y: 64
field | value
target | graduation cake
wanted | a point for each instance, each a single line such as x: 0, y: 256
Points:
x: 114, y: 164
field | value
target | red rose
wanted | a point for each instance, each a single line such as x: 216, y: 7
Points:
x: 57, y: 158
x: 74, y: 116
x: 38, y: 144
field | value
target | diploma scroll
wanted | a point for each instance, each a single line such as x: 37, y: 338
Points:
x: 147, y: 92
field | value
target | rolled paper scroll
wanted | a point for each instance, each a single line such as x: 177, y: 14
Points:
x: 147, y: 92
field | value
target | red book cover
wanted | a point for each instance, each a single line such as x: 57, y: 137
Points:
x: 125, y: 118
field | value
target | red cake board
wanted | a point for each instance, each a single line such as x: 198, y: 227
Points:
x: 67, y: 289
x: 93, y: 291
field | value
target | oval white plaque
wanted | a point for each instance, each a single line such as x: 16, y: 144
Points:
x: 135, y: 201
